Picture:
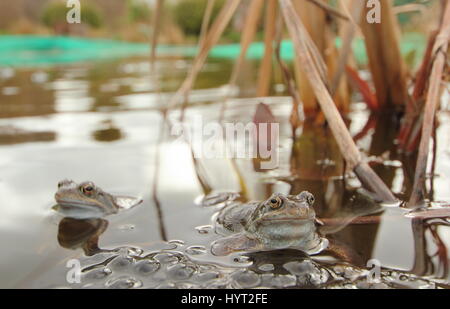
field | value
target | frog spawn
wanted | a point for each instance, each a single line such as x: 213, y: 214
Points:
x: 132, y: 268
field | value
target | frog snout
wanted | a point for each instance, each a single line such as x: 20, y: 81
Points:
x: 57, y: 196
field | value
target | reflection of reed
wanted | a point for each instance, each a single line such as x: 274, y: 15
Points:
x: 423, y: 264
x: 162, y: 228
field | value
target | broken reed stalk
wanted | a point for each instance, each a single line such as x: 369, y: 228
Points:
x: 343, y: 138
x: 433, y: 98
x: 210, y: 40
x: 265, y: 68
x: 156, y: 29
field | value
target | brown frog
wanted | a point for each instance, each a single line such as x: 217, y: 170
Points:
x: 86, y: 200
x: 280, y: 222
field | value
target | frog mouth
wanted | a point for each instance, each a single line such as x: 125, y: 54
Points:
x: 75, y: 204
x: 285, y: 219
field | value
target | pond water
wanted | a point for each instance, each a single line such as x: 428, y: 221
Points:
x: 102, y: 122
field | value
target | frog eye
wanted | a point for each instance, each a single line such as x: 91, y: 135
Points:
x: 87, y: 189
x: 275, y: 202
x: 310, y: 199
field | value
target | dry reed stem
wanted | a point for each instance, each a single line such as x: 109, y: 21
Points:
x: 314, y: 20
x: 265, y: 69
x: 385, y: 60
x: 205, y: 21
x: 433, y: 97
x: 329, y: 9
x: 297, y: 113
x: 210, y: 40
x: 347, y: 39
x: 248, y: 35
x: 156, y: 29
x: 343, y: 138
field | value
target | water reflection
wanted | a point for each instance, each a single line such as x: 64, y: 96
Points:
x: 107, y: 132
x: 102, y: 122
x: 10, y: 135
x: 85, y: 234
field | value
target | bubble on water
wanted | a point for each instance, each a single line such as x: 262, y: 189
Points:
x: 352, y: 274
x: 166, y: 258
x: 180, y: 272
x: 241, y: 259
x: 124, y: 282
x: 147, y: 267
x: 121, y: 262
x: 204, y: 229
x: 196, y: 250
x: 283, y: 281
x: 299, y: 268
x: 206, y: 277
x: 307, y: 272
x: 166, y: 286
x: 266, y: 267
x: 127, y: 227
x: 176, y: 242
x: 219, y: 284
x: 98, y: 273
x: 246, y: 278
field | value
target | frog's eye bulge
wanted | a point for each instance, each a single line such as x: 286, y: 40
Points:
x: 275, y: 202
x: 310, y: 199
x: 306, y: 196
x: 87, y: 189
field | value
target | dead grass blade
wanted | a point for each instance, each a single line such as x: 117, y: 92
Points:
x: 211, y: 39
x: 433, y: 97
x: 343, y: 138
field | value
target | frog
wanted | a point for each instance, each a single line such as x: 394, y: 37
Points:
x: 85, y: 200
x: 280, y: 222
